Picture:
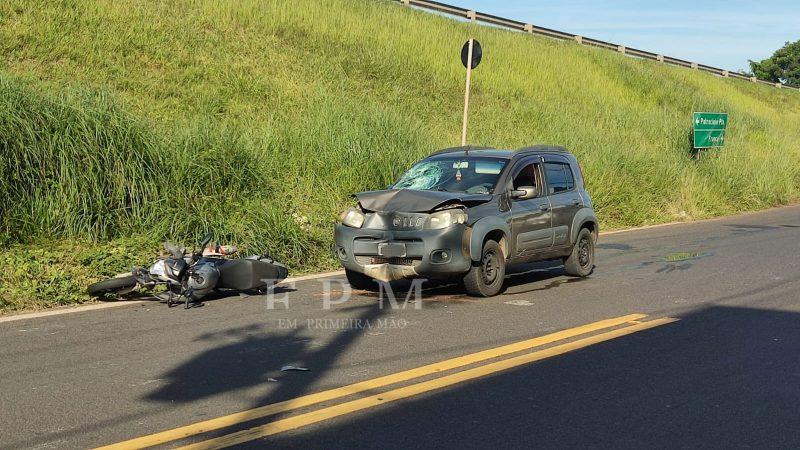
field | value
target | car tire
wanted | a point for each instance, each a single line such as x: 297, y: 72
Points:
x: 485, y: 279
x: 360, y: 281
x: 580, y: 263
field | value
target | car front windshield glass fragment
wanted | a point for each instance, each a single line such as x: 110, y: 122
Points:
x: 472, y: 175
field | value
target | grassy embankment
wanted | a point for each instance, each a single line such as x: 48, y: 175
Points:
x: 125, y: 123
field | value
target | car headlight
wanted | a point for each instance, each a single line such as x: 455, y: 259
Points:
x: 446, y: 218
x: 352, y: 218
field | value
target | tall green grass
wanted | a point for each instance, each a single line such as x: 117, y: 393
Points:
x: 76, y: 166
x: 257, y: 119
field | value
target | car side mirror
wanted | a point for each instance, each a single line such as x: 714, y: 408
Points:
x: 525, y: 192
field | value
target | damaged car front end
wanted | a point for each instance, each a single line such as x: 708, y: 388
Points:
x: 392, y: 245
x: 421, y: 226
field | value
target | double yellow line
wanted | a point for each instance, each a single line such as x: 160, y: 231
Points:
x: 627, y: 325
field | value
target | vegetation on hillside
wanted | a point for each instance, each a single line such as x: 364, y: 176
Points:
x: 257, y: 120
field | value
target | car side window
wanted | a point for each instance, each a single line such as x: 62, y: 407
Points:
x: 526, y: 177
x: 559, y: 177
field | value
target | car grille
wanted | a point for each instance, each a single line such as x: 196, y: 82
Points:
x: 407, y: 222
x: 365, y: 260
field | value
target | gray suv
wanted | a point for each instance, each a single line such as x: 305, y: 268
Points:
x: 468, y: 212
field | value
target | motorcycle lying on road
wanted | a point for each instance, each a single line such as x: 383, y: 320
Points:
x: 188, y: 277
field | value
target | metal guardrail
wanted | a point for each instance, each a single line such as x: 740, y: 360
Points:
x: 516, y: 25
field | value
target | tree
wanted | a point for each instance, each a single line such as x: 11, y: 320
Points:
x: 783, y: 65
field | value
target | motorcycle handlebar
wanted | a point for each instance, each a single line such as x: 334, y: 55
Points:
x: 173, y: 250
x: 206, y: 240
x: 199, y: 253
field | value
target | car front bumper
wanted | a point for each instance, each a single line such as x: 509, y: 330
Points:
x: 423, y: 253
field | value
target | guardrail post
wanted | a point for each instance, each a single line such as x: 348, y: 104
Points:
x: 529, y: 28
x: 471, y: 15
x: 621, y: 49
x: 660, y: 58
x: 579, y: 39
x: 694, y: 65
x: 725, y: 73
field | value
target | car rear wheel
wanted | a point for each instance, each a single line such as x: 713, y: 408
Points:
x: 485, y: 279
x: 360, y: 281
x: 580, y: 263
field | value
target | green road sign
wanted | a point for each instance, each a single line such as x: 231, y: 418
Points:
x: 709, y: 129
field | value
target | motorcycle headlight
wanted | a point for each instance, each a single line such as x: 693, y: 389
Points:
x: 446, y: 218
x: 352, y: 218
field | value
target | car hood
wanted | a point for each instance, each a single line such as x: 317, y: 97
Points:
x: 410, y: 200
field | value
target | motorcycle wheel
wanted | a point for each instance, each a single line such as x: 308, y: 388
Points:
x: 112, y: 285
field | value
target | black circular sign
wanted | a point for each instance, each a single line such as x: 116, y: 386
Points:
x: 477, y: 53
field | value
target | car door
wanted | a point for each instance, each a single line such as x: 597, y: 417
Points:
x: 565, y: 200
x: 531, y: 219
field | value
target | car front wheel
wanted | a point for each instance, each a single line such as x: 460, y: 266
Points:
x: 485, y: 279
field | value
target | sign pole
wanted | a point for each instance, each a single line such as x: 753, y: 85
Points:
x: 466, y: 94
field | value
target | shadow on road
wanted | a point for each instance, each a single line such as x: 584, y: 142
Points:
x: 720, y: 377
x: 520, y: 279
x: 250, y: 356
x: 256, y: 354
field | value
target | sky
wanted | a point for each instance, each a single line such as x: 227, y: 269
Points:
x: 724, y: 34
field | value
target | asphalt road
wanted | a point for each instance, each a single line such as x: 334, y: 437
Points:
x: 726, y: 373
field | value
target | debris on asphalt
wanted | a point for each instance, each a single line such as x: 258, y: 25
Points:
x: 519, y: 303
x: 272, y: 380
x: 289, y: 368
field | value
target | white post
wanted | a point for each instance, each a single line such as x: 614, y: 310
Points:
x: 466, y: 94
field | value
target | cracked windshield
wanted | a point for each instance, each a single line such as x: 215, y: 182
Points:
x: 471, y: 175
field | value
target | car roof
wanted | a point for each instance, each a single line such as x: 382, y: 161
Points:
x: 474, y: 150
x: 501, y: 153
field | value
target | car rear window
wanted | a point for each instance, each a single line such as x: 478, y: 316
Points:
x: 559, y: 177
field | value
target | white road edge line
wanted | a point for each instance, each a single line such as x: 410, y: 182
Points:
x: 690, y: 222
x: 315, y: 276
x: 96, y: 306
x: 67, y: 310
